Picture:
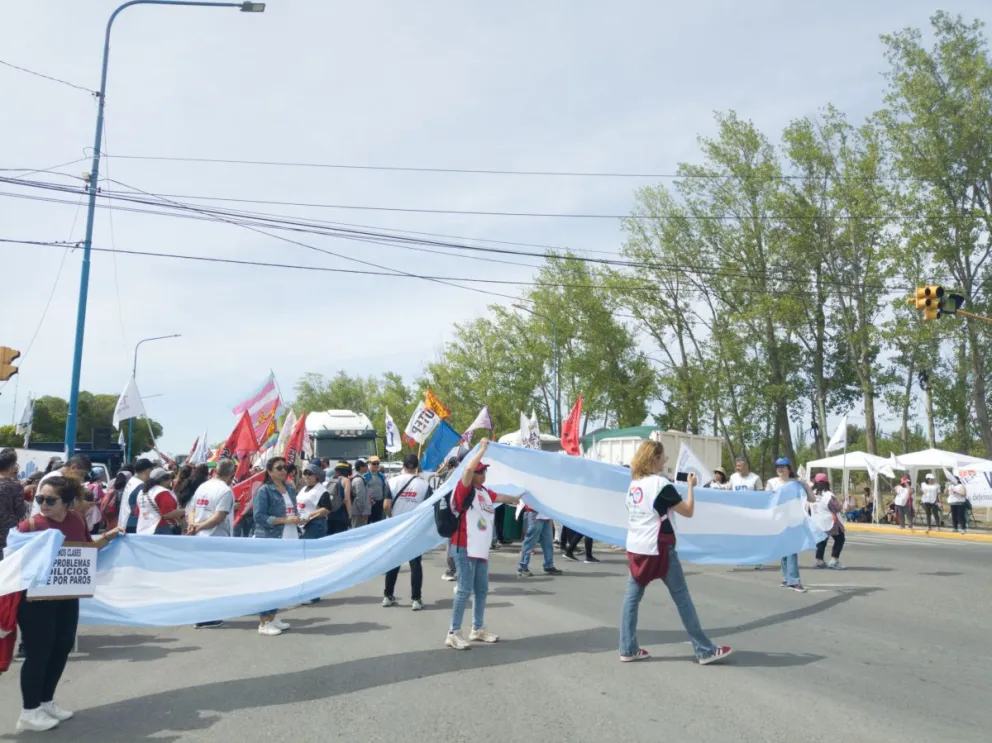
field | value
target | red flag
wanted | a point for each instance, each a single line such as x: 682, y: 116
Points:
x: 295, y: 444
x: 193, y: 448
x: 570, y: 430
x: 244, y: 492
x: 242, y: 440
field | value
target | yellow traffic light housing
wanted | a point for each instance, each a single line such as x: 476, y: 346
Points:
x: 7, y: 357
x: 930, y: 299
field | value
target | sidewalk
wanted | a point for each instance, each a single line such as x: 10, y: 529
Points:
x: 918, y: 532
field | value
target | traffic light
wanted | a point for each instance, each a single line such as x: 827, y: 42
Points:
x: 7, y: 357
x: 930, y: 299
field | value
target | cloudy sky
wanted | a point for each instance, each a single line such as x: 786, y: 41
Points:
x: 556, y: 85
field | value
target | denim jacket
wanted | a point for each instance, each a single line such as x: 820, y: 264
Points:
x: 268, y: 505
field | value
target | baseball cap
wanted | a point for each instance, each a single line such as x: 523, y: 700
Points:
x: 159, y: 473
x: 312, y: 469
x: 783, y: 462
x: 359, y: 463
x: 373, y: 459
x: 931, y: 476
x: 480, y: 467
x: 905, y: 480
x: 821, y: 477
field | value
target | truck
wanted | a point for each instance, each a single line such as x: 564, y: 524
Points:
x: 341, y: 435
x: 617, y: 446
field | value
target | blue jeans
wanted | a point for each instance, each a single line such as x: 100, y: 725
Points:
x: 790, y: 570
x: 473, y: 579
x: 537, y: 531
x: 675, y: 580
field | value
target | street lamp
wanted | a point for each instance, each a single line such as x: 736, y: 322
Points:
x: 84, y: 277
x: 554, y: 343
x: 134, y: 373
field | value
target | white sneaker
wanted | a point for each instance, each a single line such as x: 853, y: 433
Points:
x: 481, y: 635
x: 269, y: 629
x: 447, y: 576
x: 455, y: 641
x: 35, y: 720
x: 835, y: 565
x: 280, y: 625
x: 388, y: 601
x: 417, y: 605
x: 53, y: 710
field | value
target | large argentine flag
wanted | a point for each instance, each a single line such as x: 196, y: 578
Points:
x: 27, y: 561
x: 165, y: 580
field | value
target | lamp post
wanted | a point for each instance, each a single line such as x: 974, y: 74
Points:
x: 134, y: 373
x: 554, y: 344
x: 84, y: 277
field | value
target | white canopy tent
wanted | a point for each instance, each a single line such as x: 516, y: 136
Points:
x: 933, y: 459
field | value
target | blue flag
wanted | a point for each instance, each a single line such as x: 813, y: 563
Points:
x: 445, y: 439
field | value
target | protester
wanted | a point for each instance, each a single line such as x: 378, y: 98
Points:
x: 930, y: 498
x: 313, y: 503
x: 904, y: 502
x: 719, y: 481
x: 93, y: 495
x: 406, y: 491
x: 447, y: 469
x: 77, y: 468
x: 361, y: 501
x: 538, y: 530
x: 790, y: 563
x: 569, y: 545
x: 13, y: 508
x: 375, y: 483
x: 825, y: 517
x: 651, y: 552
x: 188, y: 487
x: 110, y: 507
x: 48, y: 628
x: 743, y: 478
x: 276, y: 517
x: 957, y: 499
x: 474, y: 503
x: 128, y: 510
x: 183, y: 474
x: 339, y: 486
x: 211, y: 508
x: 158, y: 508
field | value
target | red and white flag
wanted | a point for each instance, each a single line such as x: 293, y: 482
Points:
x: 570, y: 430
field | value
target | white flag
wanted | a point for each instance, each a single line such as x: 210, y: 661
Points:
x: 120, y: 439
x: 287, y: 429
x: 894, y: 463
x: 839, y: 439
x: 482, y: 420
x: 27, y: 421
x: 201, y: 452
x: 129, y: 404
x: 422, y: 423
x: 393, y: 442
x: 872, y: 469
x: 689, y: 462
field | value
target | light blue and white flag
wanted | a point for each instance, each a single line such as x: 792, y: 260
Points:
x: 28, y: 559
x: 166, y: 580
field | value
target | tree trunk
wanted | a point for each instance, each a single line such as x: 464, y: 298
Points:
x: 778, y: 379
x: 871, y: 436
x: 907, y: 402
x: 978, y: 388
x: 931, y: 431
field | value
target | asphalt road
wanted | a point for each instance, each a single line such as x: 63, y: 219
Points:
x: 897, y: 648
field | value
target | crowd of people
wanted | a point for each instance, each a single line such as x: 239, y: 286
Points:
x: 319, y: 499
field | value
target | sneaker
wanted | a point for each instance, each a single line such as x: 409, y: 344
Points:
x: 552, y: 571
x: 208, y: 625
x: 783, y: 584
x: 35, y: 720
x: 388, y: 601
x: 759, y: 567
x: 799, y: 588
x: 280, y: 625
x: 819, y: 564
x: 591, y: 560
x: 641, y: 654
x: 53, y: 710
x: 447, y: 576
x: 455, y: 641
x: 269, y: 629
x: 524, y: 573
x: 496, y: 547
x: 481, y: 635
x: 417, y: 605
x: 569, y: 556
x: 835, y: 565
x: 311, y: 602
x: 721, y: 652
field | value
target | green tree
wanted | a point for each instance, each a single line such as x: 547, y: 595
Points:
x: 10, y: 437
x: 96, y: 414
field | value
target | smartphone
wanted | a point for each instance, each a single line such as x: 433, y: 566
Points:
x: 681, y: 477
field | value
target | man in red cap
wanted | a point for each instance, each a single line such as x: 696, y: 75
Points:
x: 471, y: 542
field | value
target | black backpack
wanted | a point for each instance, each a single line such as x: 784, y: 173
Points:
x: 446, y: 517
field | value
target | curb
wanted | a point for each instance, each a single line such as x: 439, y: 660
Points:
x: 949, y: 535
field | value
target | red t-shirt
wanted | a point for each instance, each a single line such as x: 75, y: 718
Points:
x: 73, y: 526
x: 460, y: 497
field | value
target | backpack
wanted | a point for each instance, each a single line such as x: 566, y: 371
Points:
x: 446, y: 518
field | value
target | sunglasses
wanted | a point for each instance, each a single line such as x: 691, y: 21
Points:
x: 374, y: 464
x: 279, y: 468
x: 50, y: 500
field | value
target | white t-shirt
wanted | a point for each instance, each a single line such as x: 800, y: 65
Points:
x: 904, y: 494
x: 413, y: 494
x: 929, y: 493
x: 750, y: 481
x: 289, y: 531
x: 210, y: 498
x: 956, y: 494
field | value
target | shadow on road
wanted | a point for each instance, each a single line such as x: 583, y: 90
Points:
x: 154, y: 716
x: 134, y: 648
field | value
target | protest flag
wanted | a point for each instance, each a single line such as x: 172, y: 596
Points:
x: 570, y: 430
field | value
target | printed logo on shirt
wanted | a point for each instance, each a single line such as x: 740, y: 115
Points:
x: 289, y: 510
x: 481, y: 524
x: 203, y: 502
x: 636, y: 495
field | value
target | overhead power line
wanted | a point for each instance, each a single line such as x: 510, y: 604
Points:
x: 49, y: 77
